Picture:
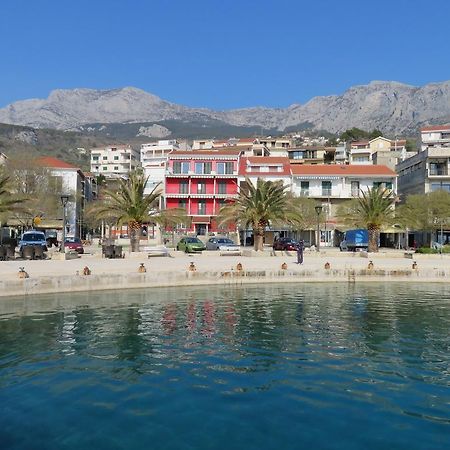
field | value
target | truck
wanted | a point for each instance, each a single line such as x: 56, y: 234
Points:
x: 355, y: 240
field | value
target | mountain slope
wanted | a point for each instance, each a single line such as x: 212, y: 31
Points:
x: 393, y: 107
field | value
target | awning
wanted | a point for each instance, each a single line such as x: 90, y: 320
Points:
x: 198, y: 219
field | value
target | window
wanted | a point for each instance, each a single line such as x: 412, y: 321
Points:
x: 296, y: 155
x: 202, y: 207
x: 203, y: 168
x: 355, y: 188
x: 105, y: 158
x: 225, y: 168
x: 181, y: 167
x: 304, y: 188
x: 116, y: 158
x: 201, y: 188
x: 182, y: 203
x: 382, y: 185
x: 94, y: 157
x: 440, y: 186
x: 326, y: 188
x: 221, y: 187
x: 438, y: 168
x: 184, y: 187
x: 116, y: 167
x: 104, y: 168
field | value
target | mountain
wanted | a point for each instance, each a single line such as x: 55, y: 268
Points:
x: 392, y: 107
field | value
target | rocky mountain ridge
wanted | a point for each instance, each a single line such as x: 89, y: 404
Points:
x: 392, y: 107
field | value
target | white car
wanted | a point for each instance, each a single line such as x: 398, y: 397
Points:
x: 222, y: 244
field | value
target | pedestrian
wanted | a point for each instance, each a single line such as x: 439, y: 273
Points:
x: 300, y: 247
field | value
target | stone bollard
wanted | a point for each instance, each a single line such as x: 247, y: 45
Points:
x: 86, y: 270
x: 284, y: 266
x: 414, y: 265
x: 192, y: 267
x: 239, y: 267
x: 22, y: 273
x: 370, y: 265
x: 141, y: 268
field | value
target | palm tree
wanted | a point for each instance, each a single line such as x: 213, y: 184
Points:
x: 130, y: 205
x: 8, y: 201
x: 371, y: 210
x: 258, y: 206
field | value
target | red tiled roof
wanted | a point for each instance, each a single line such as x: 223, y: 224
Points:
x: 268, y: 161
x: 436, y: 128
x: 341, y: 169
x: 54, y: 163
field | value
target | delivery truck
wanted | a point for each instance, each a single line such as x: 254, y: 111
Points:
x: 355, y: 240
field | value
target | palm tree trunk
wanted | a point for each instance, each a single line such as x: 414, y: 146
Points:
x: 135, y: 236
x: 258, y: 231
x: 373, y: 239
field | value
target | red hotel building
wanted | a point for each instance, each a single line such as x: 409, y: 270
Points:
x: 201, y: 181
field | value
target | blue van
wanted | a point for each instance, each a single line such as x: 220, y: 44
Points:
x: 33, y: 237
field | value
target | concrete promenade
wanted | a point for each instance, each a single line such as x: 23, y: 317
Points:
x: 53, y: 276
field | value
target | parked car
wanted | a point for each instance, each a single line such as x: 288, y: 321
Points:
x: 191, y: 245
x: 285, y: 244
x: 222, y: 244
x: 32, y: 238
x: 74, y: 244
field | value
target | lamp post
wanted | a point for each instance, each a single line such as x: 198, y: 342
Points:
x: 64, y: 200
x: 318, y: 209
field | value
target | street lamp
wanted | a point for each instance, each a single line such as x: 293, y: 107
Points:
x: 64, y: 200
x: 318, y: 209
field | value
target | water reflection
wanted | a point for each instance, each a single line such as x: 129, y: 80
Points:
x: 303, y: 349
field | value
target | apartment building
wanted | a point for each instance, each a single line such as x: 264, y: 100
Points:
x: 429, y: 169
x: 71, y: 181
x: 331, y: 185
x: 154, y: 160
x: 201, y: 181
x: 271, y: 168
x: 114, y: 162
x: 435, y: 136
x: 310, y: 154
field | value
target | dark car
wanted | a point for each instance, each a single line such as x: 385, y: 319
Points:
x: 74, y: 244
x: 285, y: 244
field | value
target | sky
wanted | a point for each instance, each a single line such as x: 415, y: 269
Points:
x: 220, y: 54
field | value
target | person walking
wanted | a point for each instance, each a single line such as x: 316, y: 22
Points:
x: 300, y: 247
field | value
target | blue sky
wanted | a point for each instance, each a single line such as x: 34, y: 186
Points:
x: 220, y: 53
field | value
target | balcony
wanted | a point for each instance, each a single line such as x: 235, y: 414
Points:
x: 438, y: 172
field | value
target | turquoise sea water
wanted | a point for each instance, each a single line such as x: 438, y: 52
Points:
x: 272, y: 367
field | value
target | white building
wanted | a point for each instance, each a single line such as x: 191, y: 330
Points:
x: 270, y: 168
x: 332, y: 184
x: 72, y: 183
x: 114, y: 162
x: 436, y: 136
x: 154, y: 160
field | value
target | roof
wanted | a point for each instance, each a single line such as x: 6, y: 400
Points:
x: 267, y: 161
x: 341, y: 170
x: 359, y: 143
x: 209, y: 152
x: 436, y: 128
x: 54, y: 163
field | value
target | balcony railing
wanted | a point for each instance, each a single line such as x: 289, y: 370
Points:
x: 438, y: 171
